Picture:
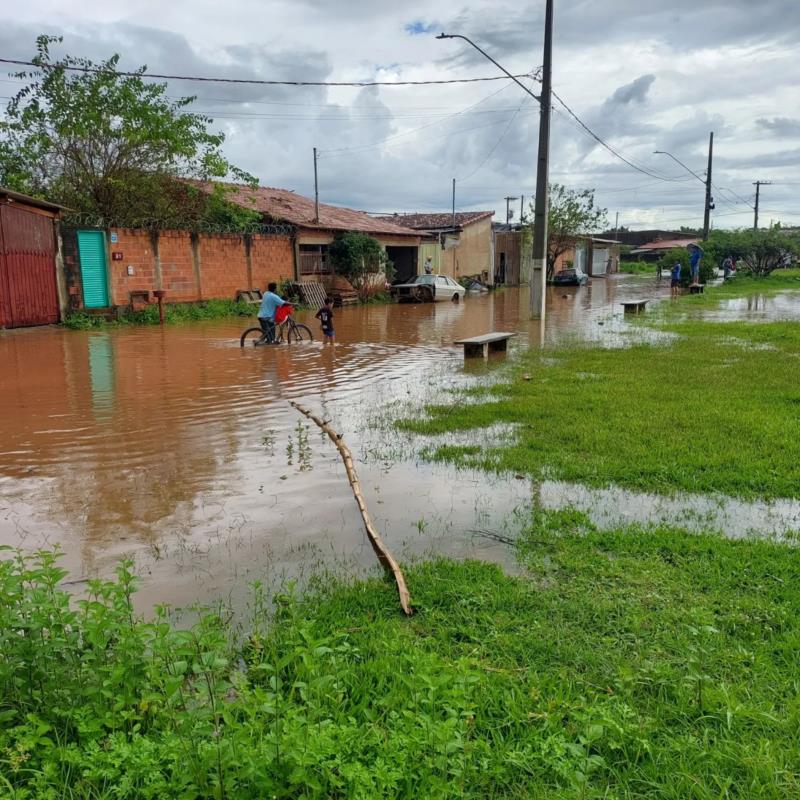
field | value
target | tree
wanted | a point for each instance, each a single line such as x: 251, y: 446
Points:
x: 358, y: 258
x: 758, y: 252
x: 110, y: 145
x: 571, y: 213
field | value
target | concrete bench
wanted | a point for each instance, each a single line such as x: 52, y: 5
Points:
x: 634, y: 306
x: 696, y: 288
x: 481, y: 346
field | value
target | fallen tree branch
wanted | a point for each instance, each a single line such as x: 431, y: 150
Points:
x: 386, y: 559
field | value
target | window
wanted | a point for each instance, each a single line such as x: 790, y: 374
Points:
x: 314, y: 259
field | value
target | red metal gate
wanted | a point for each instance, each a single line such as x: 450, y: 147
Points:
x: 28, y: 293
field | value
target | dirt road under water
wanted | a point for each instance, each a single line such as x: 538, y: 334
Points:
x: 178, y: 448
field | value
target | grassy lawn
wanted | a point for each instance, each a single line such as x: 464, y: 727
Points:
x: 625, y: 664
x: 715, y: 410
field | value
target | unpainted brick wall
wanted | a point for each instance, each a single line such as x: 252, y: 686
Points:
x: 222, y: 264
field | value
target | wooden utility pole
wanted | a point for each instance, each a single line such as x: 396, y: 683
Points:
x: 539, y: 276
x: 709, y: 198
x: 508, y: 208
x: 316, y: 189
x: 521, y: 209
x: 758, y: 185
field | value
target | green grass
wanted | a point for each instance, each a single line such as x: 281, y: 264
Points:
x: 715, y: 410
x: 742, y: 285
x: 625, y: 664
x: 173, y: 312
x: 637, y: 267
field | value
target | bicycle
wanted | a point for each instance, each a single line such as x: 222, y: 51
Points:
x: 288, y: 330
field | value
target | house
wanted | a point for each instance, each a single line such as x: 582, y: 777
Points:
x: 653, y: 251
x: 596, y: 256
x: 513, y: 253
x: 460, y: 244
x: 31, y: 292
x: 314, y: 233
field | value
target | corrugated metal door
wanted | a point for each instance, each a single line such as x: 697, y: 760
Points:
x: 599, y: 261
x: 92, y: 251
x: 28, y: 293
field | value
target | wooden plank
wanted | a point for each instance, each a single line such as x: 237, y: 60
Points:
x: 486, y: 338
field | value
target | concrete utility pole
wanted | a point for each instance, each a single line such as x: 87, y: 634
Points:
x: 758, y: 185
x: 508, y: 208
x: 316, y: 189
x: 454, y: 202
x: 542, y: 168
x: 539, y: 276
x: 709, y: 198
x: 521, y: 209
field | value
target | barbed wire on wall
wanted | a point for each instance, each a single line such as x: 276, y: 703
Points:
x: 75, y: 219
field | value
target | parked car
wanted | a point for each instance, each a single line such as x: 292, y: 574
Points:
x: 570, y: 277
x: 428, y: 289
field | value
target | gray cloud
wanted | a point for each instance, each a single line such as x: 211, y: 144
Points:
x: 780, y: 126
x: 643, y: 74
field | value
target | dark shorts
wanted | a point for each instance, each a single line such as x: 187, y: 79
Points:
x: 675, y: 282
x: 329, y: 332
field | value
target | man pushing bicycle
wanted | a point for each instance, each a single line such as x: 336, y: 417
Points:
x: 270, y: 303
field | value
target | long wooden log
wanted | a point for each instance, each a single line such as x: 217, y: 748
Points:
x: 386, y: 559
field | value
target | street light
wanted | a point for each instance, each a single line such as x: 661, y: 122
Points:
x: 707, y: 181
x: 542, y: 167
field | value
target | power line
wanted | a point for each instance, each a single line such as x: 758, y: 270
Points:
x: 253, y: 81
x: 607, y: 146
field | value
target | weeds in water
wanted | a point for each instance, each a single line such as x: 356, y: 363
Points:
x: 268, y: 441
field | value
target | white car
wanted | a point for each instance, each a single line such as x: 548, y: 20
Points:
x: 429, y: 289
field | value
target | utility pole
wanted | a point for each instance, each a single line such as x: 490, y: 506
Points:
x: 539, y: 276
x: 521, y: 209
x: 508, y: 208
x: 454, y: 202
x: 758, y: 185
x: 316, y: 189
x: 616, y: 225
x: 709, y: 198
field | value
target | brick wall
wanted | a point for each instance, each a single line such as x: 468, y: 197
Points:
x: 175, y: 260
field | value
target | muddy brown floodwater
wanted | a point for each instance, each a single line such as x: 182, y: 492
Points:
x: 179, y: 449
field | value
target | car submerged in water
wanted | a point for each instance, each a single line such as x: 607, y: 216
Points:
x: 428, y: 289
x: 570, y: 277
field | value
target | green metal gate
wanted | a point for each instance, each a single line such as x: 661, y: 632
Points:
x: 94, y: 277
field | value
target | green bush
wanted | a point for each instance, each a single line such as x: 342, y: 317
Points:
x: 173, y: 312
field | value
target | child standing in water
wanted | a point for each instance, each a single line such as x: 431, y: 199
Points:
x: 325, y: 316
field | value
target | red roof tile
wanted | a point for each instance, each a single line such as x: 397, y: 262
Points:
x: 429, y: 222
x: 286, y: 206
x: 667, y: 244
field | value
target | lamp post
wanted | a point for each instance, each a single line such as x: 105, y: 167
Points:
x: 709, y: 205
x: 539, y: 276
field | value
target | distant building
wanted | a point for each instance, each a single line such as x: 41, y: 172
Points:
x: 513, y: 251
x: 459, y: 248
x: 653, y: 251
x: 596, y: 256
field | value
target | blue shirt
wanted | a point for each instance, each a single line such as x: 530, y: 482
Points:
x: 676, y: 272
x: 270, y: 303
x: 694, y: 256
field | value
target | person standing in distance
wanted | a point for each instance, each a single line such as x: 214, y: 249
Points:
x: 270, y: 303
x: 695, y: 255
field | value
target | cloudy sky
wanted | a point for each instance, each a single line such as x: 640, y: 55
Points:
x: 644, y: 75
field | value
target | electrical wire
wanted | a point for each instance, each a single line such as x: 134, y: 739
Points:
x: 607, y: 146
x: 253, y: 81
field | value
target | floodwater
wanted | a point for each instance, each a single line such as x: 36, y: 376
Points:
x: 178, y: 449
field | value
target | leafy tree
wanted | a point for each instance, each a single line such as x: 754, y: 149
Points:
x: 109, y: 145
x: 571, y: 213
x: 358, y: 258
x: 758, y: 252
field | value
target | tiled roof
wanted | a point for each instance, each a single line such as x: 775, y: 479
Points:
x: 431, y: 222
x: 667, y: 244
x: 285, y: 206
